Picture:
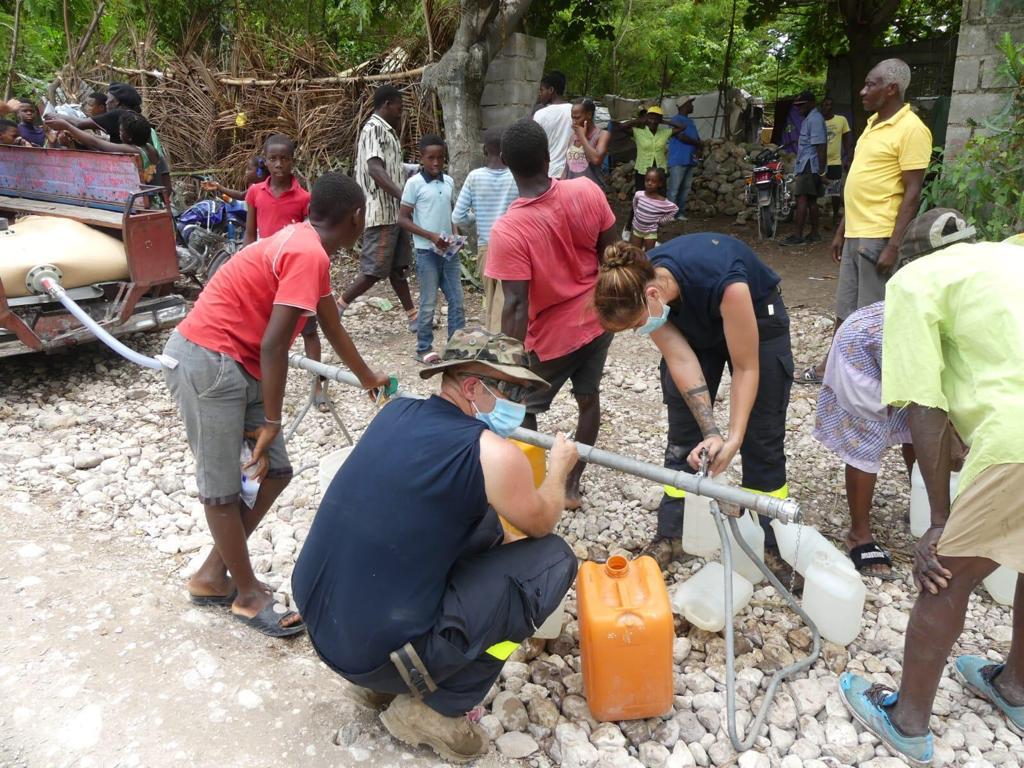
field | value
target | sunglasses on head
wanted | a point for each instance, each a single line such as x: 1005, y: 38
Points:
x: 515, y: 392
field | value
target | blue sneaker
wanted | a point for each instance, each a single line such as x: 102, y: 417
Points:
x: 978, y: 674
x: 868, y: 704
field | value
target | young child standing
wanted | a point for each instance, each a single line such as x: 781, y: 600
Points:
x: 226, y: 366
x: 9, y: 135
x: 486, y: 195
x: 650, y: 209
x: 426, y: 213
x: 272, y: 205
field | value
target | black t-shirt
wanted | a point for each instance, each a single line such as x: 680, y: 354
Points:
x: 374, y: 566
x: 704, y: 265
x: 110, y: 122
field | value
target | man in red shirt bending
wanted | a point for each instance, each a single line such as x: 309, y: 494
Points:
x: 545, y: 250
x: 226, y: 366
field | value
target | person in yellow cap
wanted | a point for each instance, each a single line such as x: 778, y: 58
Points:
x: 651, y: 137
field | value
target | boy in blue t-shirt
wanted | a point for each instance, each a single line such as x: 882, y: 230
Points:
x: 426, y: 213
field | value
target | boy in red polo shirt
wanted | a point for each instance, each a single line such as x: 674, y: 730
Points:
x: 272, y: 205
x: 226, y: 366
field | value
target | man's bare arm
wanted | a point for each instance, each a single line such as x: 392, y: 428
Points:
x: 913, y: 181
x: 516, y: 313
x: 375, y: 167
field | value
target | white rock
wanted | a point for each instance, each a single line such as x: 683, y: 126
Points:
x: 752, y: 759
x: 249, y: 699
x: 893, y: 618
x: 87, y: 459
x: 516, y: 745
x: 653, y: 754
x: 681, y: 757
x: 607, y: 736
x: 574, y: 747
x: 510, y: 711
x: 491, y: 726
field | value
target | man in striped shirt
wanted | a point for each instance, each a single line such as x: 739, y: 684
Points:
x: 486, y: 195
x: 387, y: 251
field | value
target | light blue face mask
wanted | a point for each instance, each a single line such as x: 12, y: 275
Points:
x: 654, y: 322
x: 505, y: 418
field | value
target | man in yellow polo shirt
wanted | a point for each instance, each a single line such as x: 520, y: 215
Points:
x: 952, y: 354
x: 882, y: 195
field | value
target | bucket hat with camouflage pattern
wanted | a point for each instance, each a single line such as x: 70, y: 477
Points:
x: 494, y: 350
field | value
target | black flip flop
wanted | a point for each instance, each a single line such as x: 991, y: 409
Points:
x: 219, y: 601
x: 809, y: 376
x: 867, y: 555
x: 268, y: 621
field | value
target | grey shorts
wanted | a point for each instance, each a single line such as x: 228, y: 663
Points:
x: 387, y: 251
x: 583, y: 367
x: 859, y: 282
x: 809, y: 184
x: 219, y: 402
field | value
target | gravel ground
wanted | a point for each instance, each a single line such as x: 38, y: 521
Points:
x: 95, y: 445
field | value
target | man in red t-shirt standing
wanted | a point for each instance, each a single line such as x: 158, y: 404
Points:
x: 545, y: 250
x: 226, y: 366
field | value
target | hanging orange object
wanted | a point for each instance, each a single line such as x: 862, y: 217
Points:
x: 538, y: 464
x: 626, y: 634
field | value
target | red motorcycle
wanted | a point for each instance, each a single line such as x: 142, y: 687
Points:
x: 768, y: 188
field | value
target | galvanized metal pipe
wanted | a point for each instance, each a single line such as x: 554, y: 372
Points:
x: 784, y: 510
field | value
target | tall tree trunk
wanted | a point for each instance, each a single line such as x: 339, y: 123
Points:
x: 864, y: 21
x: 458, y: 77
x: 14, y: 50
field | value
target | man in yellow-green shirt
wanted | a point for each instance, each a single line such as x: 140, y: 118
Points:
x: 953, y: 354
x: 651, y: 137
x: 839, y: 152
x: 882, y: 194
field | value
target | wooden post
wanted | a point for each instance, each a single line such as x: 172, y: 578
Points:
x: 14, y: 51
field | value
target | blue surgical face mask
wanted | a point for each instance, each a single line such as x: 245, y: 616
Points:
x: 505, y: 418
x: 654, y: 322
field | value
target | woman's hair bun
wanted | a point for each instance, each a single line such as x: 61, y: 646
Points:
x: 621, y: 254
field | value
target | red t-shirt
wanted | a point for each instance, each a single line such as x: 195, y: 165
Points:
x: 554, y: 237
x: 291, y: 268
x: 275, y: 213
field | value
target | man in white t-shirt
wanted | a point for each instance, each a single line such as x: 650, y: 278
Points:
x: 555, y: 116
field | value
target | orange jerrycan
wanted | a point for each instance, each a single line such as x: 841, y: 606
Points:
x: 626, y: 634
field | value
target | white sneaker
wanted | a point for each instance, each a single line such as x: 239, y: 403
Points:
x: 626, y: 234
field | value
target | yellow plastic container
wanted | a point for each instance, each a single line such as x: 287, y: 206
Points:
x: 538, y: 463
x: 626, y: 633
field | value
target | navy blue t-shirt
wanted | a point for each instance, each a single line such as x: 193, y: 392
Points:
x: 374, y: 566
x: 704, y: 265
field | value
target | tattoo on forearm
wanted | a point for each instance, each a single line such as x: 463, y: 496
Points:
x: 699, y: 402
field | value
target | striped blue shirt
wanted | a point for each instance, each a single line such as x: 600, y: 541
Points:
x: 485, y: 196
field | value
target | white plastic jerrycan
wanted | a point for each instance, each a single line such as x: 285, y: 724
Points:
x: 792, y: 537
x: 701, y: 598
x: 834, y: 599
x: 920, y: 509
x: 700, y: 532
x: 330, y: 464
x: 1002, y: 585
x: 552, y: 626
x: 753, y: 534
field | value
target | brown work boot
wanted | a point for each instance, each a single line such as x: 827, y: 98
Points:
x: 665, y: 550
x: 364, y: 697
x: 453, y: 738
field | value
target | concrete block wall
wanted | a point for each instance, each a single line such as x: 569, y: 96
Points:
x: 513, y: 76
x: 978, y: 93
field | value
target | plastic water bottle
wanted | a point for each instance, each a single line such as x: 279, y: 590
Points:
x: 1002, y: 585
x: 798, y: 545
x: 700, y: 533
x: 834, y: 598
x: 250, y: 486
x: 701, y: 598
x: 753, y: 534
x: 920, y: 508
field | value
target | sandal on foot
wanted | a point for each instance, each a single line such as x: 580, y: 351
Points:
x: 792, y: 240
x: 979, y: 675
x: 220, y: 601
x: 869, y: 705
x: 320, y: 400
x: 428, y: 358
x: 809, y: 376
x: 869, y: 555
x: 268, y: 621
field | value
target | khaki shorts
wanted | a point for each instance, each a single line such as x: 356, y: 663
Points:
x: 808, y: 184
x: 219, y: 402
x: 987, y: 519
x: 859, y: 282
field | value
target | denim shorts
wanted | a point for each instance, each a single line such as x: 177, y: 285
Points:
x: 219, y: 402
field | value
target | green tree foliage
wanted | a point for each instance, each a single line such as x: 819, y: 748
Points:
x: 984, y: 181
x: 649, y: 47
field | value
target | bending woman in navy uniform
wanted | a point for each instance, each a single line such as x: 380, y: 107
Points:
x: 707, y: 301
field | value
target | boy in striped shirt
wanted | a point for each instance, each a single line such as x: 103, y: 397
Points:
x: 486, y: 194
